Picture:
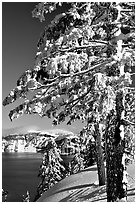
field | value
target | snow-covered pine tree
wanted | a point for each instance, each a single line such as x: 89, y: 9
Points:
x: 84, y: 63
x: 51, y: 170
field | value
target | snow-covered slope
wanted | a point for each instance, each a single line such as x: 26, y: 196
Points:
x: 83, y: 187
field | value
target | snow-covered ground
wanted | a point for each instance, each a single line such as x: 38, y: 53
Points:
x: 83, y: 187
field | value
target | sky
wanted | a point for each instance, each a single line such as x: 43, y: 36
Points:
x: 20, y: 34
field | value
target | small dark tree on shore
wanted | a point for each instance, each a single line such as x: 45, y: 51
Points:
x: 83, y: 70
x: 26, y: 198
x: 4, y: 195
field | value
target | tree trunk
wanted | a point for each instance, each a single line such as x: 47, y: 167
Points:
x: 99, y: 157
x: 114, y: 154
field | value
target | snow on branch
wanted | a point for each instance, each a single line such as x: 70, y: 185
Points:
x: 96, y: 43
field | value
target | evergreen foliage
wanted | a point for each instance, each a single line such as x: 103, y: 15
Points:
x: 83, y: 71
x: 51, y: 170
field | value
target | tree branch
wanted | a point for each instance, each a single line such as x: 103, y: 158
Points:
x: 84, y: 46
x: 126, y: 10
x: 127, y: 45
x: 127, y: 122
x: 77, y: 99
x: 131, y: 88
x: 54, y: 81
x: 132, y: 74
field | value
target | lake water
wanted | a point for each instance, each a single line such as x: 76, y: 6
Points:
x: 19, y: 174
